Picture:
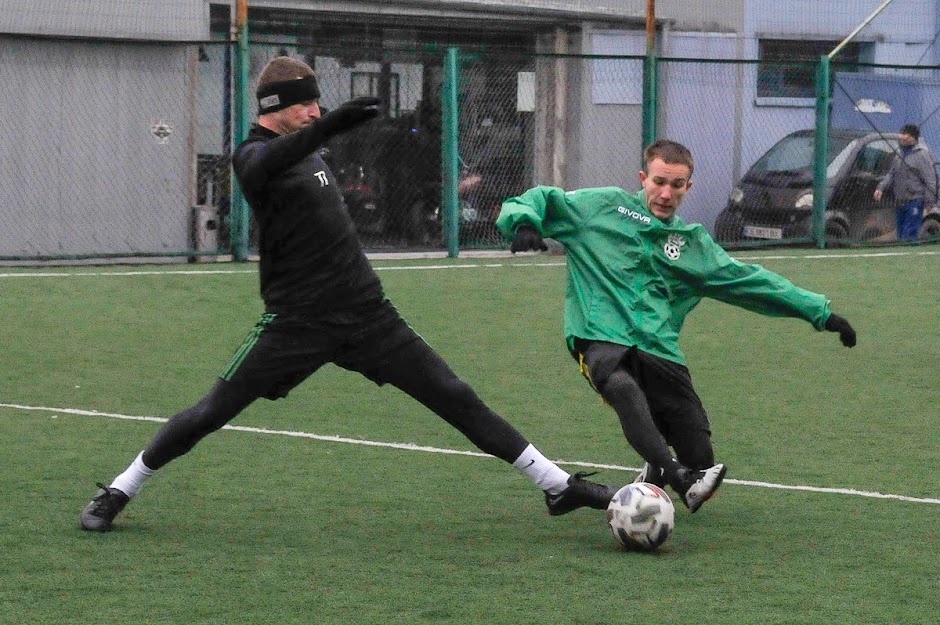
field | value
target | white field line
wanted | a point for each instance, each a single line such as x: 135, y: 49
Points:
x: 485, y: 265
x: 457, y: 452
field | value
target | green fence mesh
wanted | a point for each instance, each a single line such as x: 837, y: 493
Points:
x: 109, y: 149
x: 122, y: 148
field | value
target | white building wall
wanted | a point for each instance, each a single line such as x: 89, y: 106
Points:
x: 702, y: 110
x: 131, y: 19
x: 697, y: 107
x: 902, y: 34
x: 715, y: 109
x: 83, y: 171
x: 903, y: 21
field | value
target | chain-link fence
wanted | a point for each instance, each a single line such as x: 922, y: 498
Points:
x: 879, y: 101
x: 122, y: 149
x: 103, y: 150
x: 771, y: 118
x: 390, y: 169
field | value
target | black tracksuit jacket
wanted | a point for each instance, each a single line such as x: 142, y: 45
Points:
x: 311, y: 259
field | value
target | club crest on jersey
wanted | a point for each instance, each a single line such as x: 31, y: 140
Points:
x: 674, y: 245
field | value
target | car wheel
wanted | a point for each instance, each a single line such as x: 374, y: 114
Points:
x: 836, y: 234
x: 728, y: 227
x: 930, y: 229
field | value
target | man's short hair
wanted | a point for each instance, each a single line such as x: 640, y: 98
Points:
x: 669, y: 152
x: 911, y: 129
x: 282, y: 68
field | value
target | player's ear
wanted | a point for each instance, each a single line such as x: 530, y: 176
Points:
x: 642, y: 176
x: 688, y: 185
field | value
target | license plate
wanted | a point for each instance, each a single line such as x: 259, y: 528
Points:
x: 759, y: 232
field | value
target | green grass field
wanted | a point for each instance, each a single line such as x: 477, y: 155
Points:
x: 828, y: 515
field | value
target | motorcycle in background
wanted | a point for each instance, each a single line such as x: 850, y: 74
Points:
x: 359, y: 191
x: 468, y: 212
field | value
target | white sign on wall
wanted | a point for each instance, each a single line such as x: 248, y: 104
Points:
x: 525, y: 92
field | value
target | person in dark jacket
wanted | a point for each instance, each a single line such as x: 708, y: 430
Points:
x: 913, y: 178
x: 324, y: 303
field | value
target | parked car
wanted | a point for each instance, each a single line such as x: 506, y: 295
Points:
x: 774, y: 199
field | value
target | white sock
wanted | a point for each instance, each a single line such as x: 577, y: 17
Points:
x: 131, y: 481
x: 546, y: 474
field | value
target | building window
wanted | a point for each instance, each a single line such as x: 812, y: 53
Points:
x: 788, y: 67
x: 367, y: 84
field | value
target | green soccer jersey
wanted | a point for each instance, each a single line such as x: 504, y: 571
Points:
x: 633, y: 279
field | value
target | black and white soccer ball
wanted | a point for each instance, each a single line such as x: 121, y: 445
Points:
x: 641, y: 516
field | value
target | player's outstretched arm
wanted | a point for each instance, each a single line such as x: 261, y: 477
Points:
x: 835, y: 323
x: 286, y: 150
x: 257, y: 161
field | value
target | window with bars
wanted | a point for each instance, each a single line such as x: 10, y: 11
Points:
x: 788, y: 66
x: 367, y: 84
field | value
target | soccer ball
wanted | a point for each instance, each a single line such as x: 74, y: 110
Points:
x: 641, y: 516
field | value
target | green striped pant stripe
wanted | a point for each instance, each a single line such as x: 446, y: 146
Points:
x: 247, y: 346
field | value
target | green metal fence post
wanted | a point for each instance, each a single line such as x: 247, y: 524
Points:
x: 820, y: 183
x: 239, y: 216
x: 650, y: 68
x: 450, y: 158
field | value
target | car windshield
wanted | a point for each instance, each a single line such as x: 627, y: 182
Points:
x: 796, y: 153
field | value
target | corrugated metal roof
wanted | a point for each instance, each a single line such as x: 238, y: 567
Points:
x: 524, y: 10
x: 610, y: 8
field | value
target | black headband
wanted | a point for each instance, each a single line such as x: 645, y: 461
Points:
x: 280, y: 95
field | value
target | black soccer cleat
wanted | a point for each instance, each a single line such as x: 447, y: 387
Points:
x: 100, y: 511
x: 701, y: 485
x: 651, y: 474
x: 580, y: 493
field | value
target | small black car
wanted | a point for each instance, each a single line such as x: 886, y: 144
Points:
x: 774, y: 199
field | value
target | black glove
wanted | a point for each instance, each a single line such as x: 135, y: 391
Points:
x: 835, y: 323
x: 527, y: 238
x: 348, y: 115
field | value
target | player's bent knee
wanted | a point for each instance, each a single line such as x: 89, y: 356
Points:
x: 620, y: 386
